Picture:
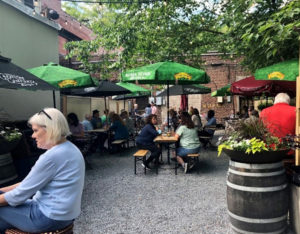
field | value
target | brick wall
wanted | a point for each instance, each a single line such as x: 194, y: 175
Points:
x: 221, y: 72
x: 68, y: 23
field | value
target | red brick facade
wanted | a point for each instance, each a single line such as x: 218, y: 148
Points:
x: 221, y: 72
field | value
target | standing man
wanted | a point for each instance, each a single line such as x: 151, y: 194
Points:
x: 280, y: 118
x: 153, y: 109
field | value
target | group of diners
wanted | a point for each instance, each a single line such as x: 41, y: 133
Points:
x: 114, y: 126
x: 188, y: 130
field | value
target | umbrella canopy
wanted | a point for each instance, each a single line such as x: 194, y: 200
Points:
x: 62, y: 77
x: 224, y: 91
x: 185, y: 89
x: 166, y: 73
x: 284, y: 71
x: 251, y: 87
x: 14, y: 77
x: 134, y: 88
x: 104, y: 89
x: 130, y: 96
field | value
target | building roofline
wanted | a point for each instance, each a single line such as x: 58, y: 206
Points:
x: 29, y: 12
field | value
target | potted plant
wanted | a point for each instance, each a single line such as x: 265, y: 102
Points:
x: 251, y: 142
x: 9, y: 138
x: 257, y: 189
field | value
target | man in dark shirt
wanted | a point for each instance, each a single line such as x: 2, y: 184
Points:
x: 96, y: 120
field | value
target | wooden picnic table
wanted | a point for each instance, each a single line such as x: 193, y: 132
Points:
x: 99, y: 130
x: 162, y: 139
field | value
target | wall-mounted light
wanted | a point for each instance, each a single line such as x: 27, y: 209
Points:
x: 36, y: 3
x: 33, y: 12
x: 66, y: 22
x: 80, y: 26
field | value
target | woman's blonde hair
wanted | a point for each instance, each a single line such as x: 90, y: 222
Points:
x: 55, y: 123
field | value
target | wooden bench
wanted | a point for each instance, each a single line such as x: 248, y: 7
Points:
x: 67, y: 230
x: 193, y: 157
x: 120, y: 143
x: 140, y: 155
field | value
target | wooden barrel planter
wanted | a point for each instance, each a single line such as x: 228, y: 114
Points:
x: 8, y: 173
x: 257, y: 197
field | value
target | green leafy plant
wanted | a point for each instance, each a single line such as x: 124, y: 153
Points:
x: 251, y: 136
x: 264, y: 105
x: 10, y: 134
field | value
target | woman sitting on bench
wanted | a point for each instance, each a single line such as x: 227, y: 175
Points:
x: 145, y: 140
x: 49, y: 198
x: 189, y: 141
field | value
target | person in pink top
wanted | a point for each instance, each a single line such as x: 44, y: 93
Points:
x: 280, y: 118
x: 153, y: 108
x: 75, y: 126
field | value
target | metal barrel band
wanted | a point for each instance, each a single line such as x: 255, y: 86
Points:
x: 255, y: 166
x: 256, y: 189
x: 267, y: 174
x: 260, y: 221
x: 245, y: 232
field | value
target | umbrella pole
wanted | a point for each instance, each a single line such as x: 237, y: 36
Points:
x: 105, y: 109
x: 54, y: 99
x: 168, y: 105
x: 233, y: 106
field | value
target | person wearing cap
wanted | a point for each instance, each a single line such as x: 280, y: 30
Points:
x: 96, y: 120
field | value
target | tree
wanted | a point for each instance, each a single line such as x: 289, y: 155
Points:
x: 263, y: 32
x: 181, y: 30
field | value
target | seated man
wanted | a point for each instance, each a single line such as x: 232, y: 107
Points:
x: 129, y: 123
x: 87, y: 126
x: 280, y: 118
x: 119, y: 129
x: 207, y: 132
x: 96, y: 120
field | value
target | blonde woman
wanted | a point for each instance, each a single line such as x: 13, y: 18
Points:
x: 51, y: 192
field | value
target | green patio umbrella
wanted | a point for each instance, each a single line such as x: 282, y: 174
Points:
x: 135, y: 90
x: 285, y: 71
x: 166, y: 73
x: 224, y: 91
x: 62, y: 77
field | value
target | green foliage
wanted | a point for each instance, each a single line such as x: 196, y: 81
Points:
x: 131, y: 35
x: 251, y: 136
x: 263, y: 32
x: 264, y: 105
x: 10, y: 134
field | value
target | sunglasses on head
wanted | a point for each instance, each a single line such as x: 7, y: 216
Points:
x: 44, y: 112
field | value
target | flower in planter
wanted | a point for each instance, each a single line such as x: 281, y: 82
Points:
x: 251, y: 137
x: 10, y: 134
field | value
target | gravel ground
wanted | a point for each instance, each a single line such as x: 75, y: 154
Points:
x: 117, y: 201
